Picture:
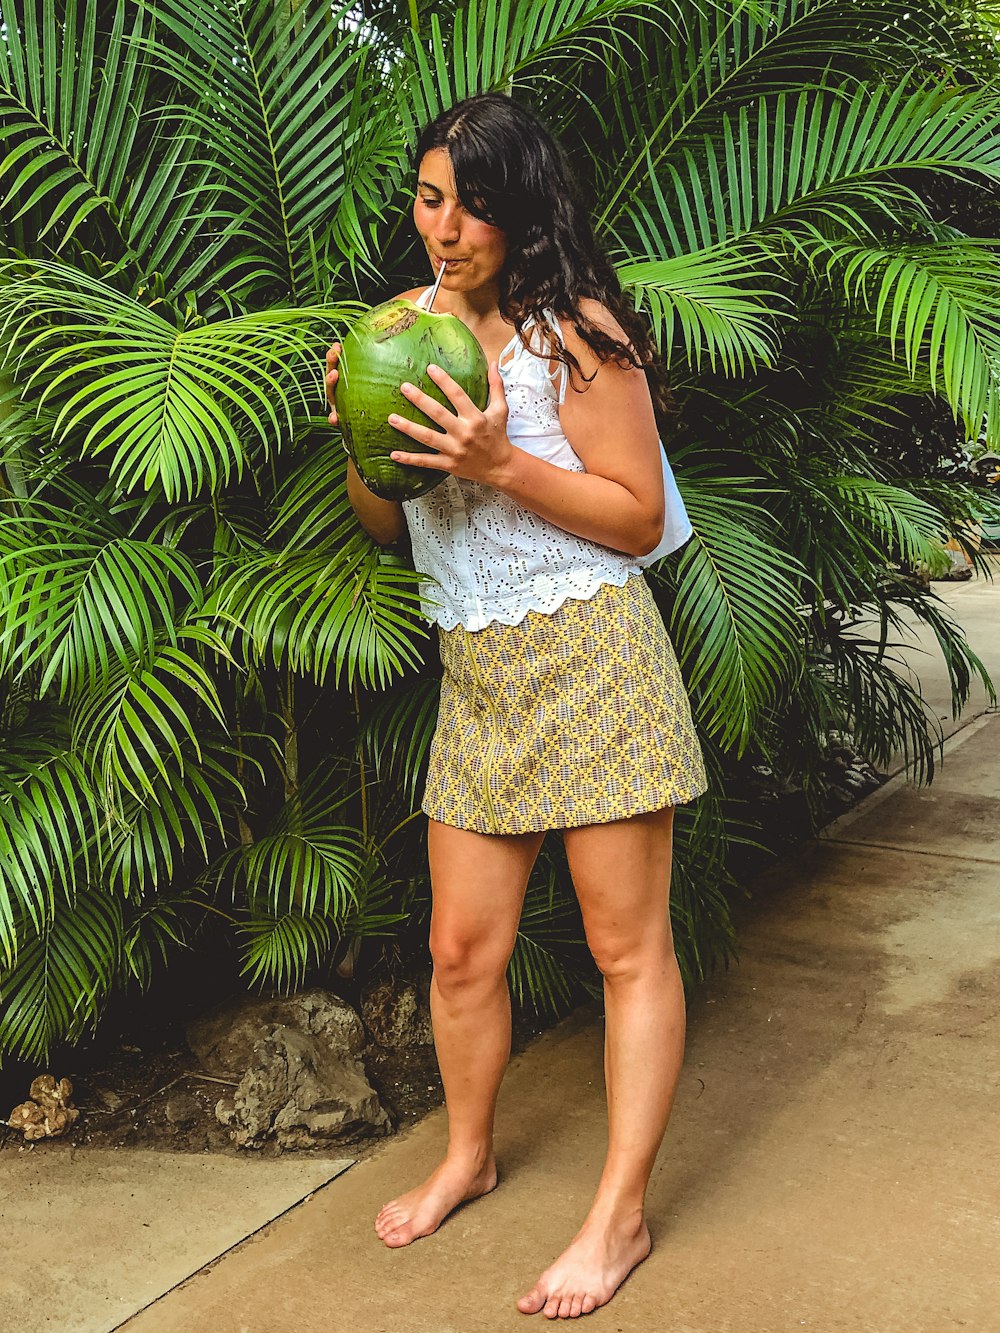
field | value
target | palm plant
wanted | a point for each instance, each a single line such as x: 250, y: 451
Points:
x: 214, y: 693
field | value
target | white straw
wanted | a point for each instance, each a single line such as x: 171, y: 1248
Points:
x: 437, y: 284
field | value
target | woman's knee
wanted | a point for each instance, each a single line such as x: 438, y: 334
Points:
x: 626, y: 959
x: 463, y: 961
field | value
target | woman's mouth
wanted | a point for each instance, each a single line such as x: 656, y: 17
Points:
x: 450, y: 262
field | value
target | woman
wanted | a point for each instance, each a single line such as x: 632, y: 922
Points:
x: 562, y: 705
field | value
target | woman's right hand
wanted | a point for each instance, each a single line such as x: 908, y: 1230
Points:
x: 332, y: 375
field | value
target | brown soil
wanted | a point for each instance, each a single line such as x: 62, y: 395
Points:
x: 126, y: 1100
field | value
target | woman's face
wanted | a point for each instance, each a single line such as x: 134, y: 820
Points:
x: 477, y: 249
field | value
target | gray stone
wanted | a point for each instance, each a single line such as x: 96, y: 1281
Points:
x: 302, y: 1082
x: 182, y: 1108
x: 397, y: 1014
x: 224, y: 1040
x: 108, y: 1098
x: 303, y: 1094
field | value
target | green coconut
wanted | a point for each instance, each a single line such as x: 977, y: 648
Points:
x: 396, y: 341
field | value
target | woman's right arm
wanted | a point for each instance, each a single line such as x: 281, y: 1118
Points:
x: 383, y: 520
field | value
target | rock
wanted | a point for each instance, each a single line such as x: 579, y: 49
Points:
x: 302, y: 1082
x: 224, y: 1040
x: 108, y: 1098
x: 182, y: 1108
x: 303, y: 1095
x: 397, y: 1014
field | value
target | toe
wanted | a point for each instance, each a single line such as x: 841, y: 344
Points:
x: 551, y: 1309
x: 565, y: 1305
x: 531, y: 1303
x: 589, y: 1303
x: 576, y: 1308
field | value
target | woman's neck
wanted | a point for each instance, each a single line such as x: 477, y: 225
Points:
x: 476, y: 306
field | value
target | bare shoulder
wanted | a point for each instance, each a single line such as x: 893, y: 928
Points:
x: 411, y: 295
x: 595, y: 313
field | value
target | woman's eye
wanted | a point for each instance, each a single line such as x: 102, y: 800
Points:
x: 430, y: 203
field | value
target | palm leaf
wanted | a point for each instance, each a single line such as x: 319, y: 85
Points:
x: 51, y: 842
x: 61, y: 976
x: 145, y: 717
x: 397, y: 733
x: 490, y: 45
x: 548, y: 966
x: 151, y: 841
x: 80, y: 601
x: 902, y: 526
x: 282, y: 135
x: 181, y: 408
x: 151, y: 931
x: 935, y: 303
x: 280, y: 948
x: 351, y: 609
x: 714, y: 302
x: 78, y: 164
x: 305, y: 863
x: 733, y: 620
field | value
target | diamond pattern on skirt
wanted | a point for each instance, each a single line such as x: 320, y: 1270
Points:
x: 578, y: 717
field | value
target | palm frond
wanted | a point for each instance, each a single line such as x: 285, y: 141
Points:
x: 67, y: 112
x: 62, y: 975
x: 149, y: 932
x: 397, y: 733
x: 902, y: 526
x: 305, y: 863
x: 151, y: 840
x: 181, y: 407
x: 145, y: 717
x: 717, y: 304
x: 279, y: 948
x: 548, y: 966
x: 936, y: 304
x: 51, y: 837
x: 801, y: 152
x: 282, y: 136
x: 491, y: 45
x: 350, y: 609
x: 733, y: 620
x: 81, y: 601
x: 80, y: 166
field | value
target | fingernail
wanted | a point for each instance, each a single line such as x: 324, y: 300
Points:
x: 392, y: 418
x: 406, y: 385
x: 432, y: 366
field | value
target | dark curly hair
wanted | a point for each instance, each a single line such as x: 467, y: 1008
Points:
x: 511, y: 172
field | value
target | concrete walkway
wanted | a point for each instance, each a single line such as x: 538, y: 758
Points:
x: 832, y: 1162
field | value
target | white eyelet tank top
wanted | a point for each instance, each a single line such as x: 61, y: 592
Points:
x: 488, y: 559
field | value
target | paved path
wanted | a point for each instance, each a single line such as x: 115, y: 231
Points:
x: 832, y: 1162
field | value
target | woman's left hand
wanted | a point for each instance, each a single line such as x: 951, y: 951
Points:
x: 472, y: 444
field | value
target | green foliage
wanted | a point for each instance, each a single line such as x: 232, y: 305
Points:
x: 212, y: 684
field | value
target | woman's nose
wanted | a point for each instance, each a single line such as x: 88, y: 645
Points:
x: 448, y: 224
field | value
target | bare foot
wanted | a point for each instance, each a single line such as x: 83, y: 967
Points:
x: 589, y: 1271
x: 422, y: 1210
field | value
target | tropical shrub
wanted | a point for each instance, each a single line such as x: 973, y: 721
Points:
x: 215, y: 693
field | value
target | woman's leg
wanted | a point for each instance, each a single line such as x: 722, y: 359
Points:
x: 621, y: 872
x: 477, y: 884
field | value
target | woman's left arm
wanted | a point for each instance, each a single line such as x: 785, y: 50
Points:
x: 618, y: 501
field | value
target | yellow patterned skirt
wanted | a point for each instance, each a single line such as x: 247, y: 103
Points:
x: 579, y: 717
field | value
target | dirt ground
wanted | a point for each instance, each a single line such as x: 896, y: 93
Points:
x: 156, y: 1097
